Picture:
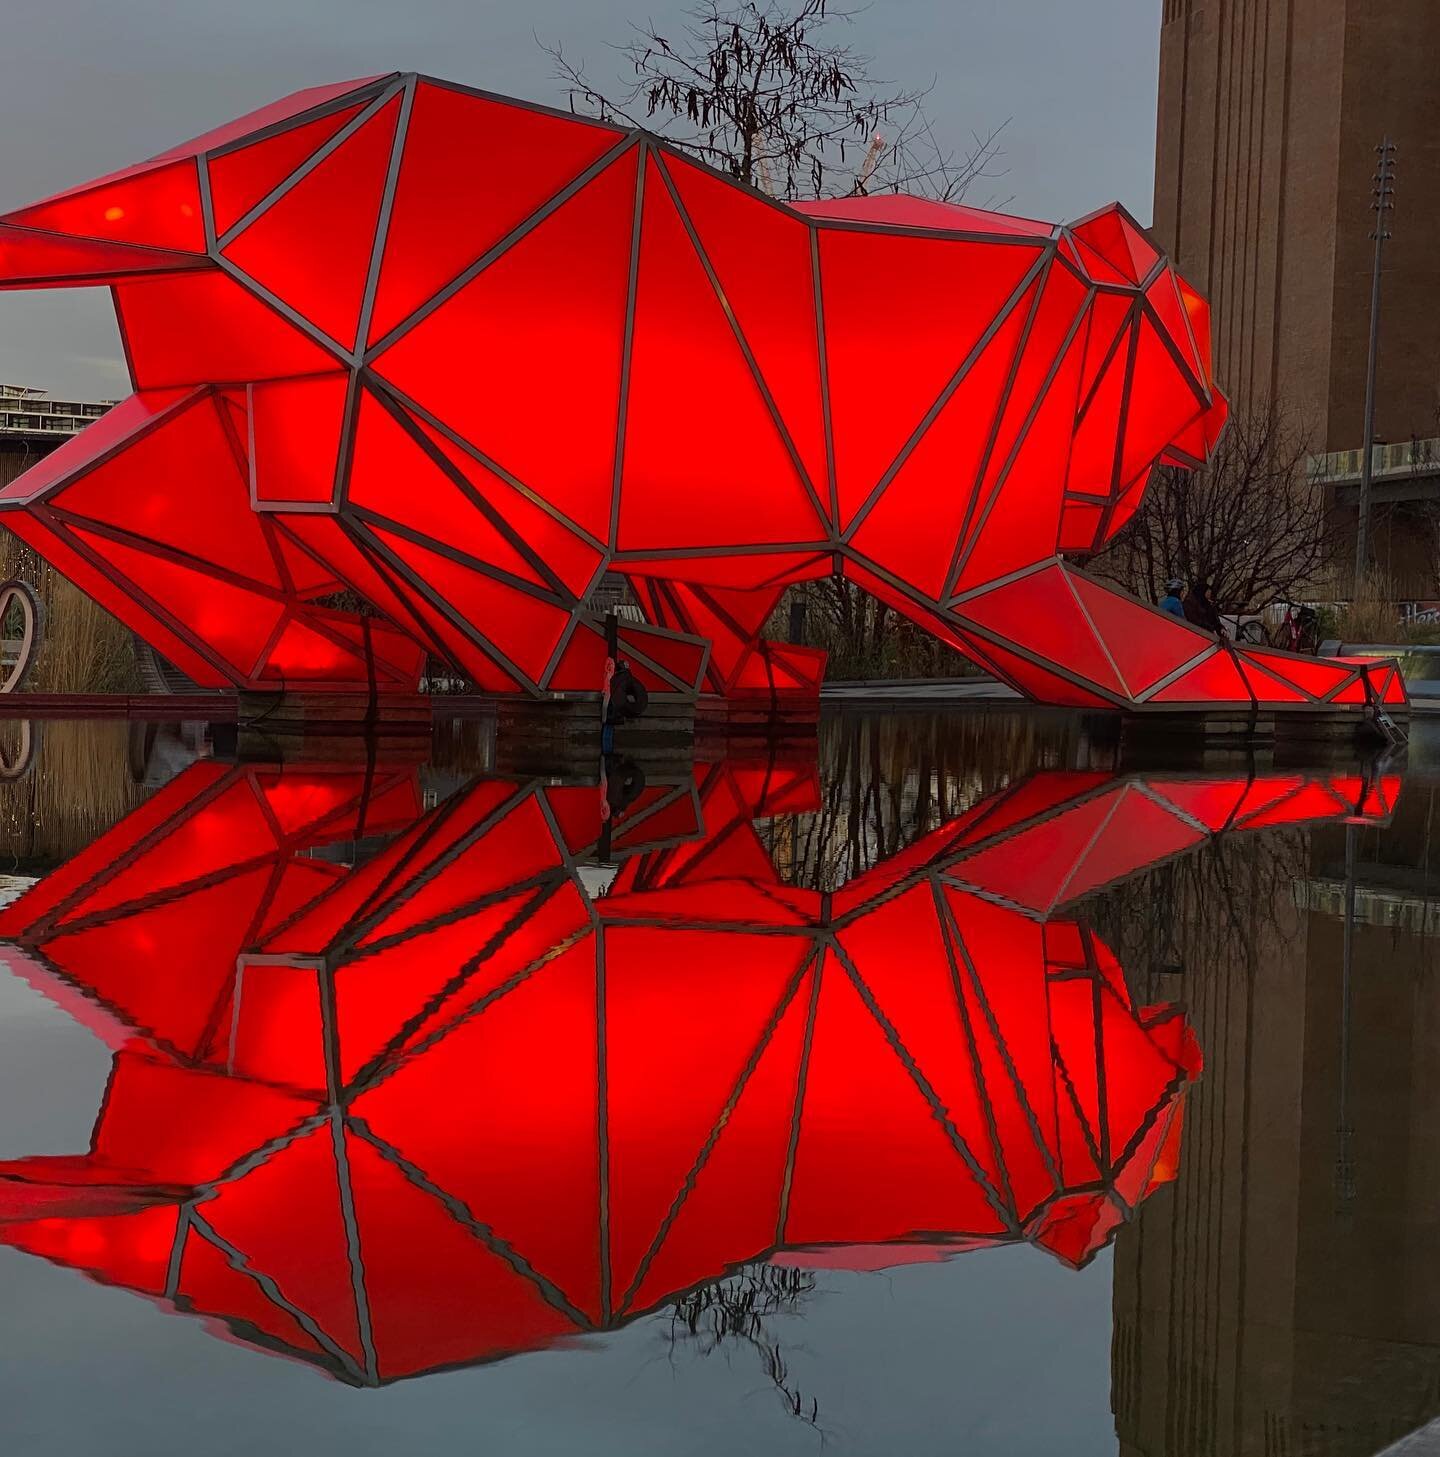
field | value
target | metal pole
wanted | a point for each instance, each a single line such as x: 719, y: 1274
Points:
x: 1384, y: 194
x: 1344, y: 1134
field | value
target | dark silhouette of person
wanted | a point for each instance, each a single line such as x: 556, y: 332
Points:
x: 1200, y: 608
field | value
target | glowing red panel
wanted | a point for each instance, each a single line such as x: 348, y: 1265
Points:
x: 179, y: 485
x: 765, y: 269
x: 294, y: 437
x: 540, y: 332
x: 33, y: 259
x: 450, y: 207
x: 205, y: 327
x: 875, y: 404
x: 273, y: 114
x: 159, y: 208
x: 242, y: 178
x: 312, y: 246
x: 734, y: 448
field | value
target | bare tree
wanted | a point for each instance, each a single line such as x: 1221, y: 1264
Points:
x: 1252, y: 523
x: 758, y: 89
x: 761, y: 90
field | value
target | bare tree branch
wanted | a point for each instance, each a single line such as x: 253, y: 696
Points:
x: 759, y: 90
x: 1251, y: 523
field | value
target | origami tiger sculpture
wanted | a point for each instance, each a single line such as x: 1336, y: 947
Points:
x: 416, y: 365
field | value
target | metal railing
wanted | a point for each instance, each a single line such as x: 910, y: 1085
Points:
x: 1402, y: 457
x: 32, y: 412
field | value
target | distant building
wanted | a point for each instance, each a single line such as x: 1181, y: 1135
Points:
x: 1281, y: 1297
x: 1269, y: 115
x: 32, y: 424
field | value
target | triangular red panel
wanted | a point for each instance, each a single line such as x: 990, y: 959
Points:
x: 723, y: 431
x: 507, y: 401
x: 765, y: 269
x: 242, y: 178
x: 939, y: 480
x: 463, y: 186
x: 875, y: 404
x: 158, y: 208
x: 312, y: 246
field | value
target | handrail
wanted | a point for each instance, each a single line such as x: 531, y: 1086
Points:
x: 1400, y: 457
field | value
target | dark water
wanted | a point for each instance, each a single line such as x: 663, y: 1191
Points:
x: 941, y: 1087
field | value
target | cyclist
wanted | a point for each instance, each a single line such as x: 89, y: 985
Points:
x: 1171, y: 602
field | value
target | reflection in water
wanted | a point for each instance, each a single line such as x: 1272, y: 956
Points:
x: 1283, y: 1295
x: 392, y: 1091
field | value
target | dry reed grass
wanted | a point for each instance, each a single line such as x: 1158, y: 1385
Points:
x: 80, y: 786
x: 1370, y: 615
x: 85, y: 650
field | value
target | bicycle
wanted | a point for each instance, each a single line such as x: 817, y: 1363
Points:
x: 1299, y: 630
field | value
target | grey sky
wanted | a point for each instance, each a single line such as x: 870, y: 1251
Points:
x: 86, y: 87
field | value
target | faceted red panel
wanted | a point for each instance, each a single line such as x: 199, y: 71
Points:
x: 179, y: 486
x: 294, y: 437
x: 898, y: 210
x: 1078, y: 528
x: 461, y: 188
x: 200, y: 327
x: 764, y: 263
x: 557, y: 544
x: 524, y: 628
x: 1145, y: 643
x: 111, y: 431
x: 540, y: 333
x: 91, y: 574
x: 302, y: 654
x: 1314, y: 676
x: 939, y: 480
x: 1199, y: 314
x: 666, y: 1092
x: 1165, y: 300
x: 1022, y: 494
x: 212, y: 1285
x: 737, y: 1194
x: 33, y: 259
x: 1108, y: 234
x: 1029, y: 677
x: 228, y: 620
x: 158, y: 207
x: 241, y: 179
x: 1270, y: 688
x: 723, y: 432
x: 876, y: 402
x: 1161, y: 404
x: 312, y: 246
x: 1055, y: 626
x: 1217, y: 679
x: 434, y: 504
x: 910, y: 1180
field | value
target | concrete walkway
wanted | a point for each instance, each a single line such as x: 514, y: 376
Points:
x: 942, y: 692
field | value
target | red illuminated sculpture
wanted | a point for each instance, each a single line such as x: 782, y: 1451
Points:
x: 404, y: 343
x: 443, y: 1105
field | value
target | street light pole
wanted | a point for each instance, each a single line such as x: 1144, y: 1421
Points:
x: 1384, y: 195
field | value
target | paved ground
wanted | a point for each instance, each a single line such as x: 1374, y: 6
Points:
x: 939, y: 692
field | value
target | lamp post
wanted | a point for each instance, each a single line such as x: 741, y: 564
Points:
x: 1384, y: 201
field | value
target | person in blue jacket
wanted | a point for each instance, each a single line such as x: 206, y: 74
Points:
x: 1171, y: 602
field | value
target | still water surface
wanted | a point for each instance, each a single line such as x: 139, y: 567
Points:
x: 938, y: 1088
